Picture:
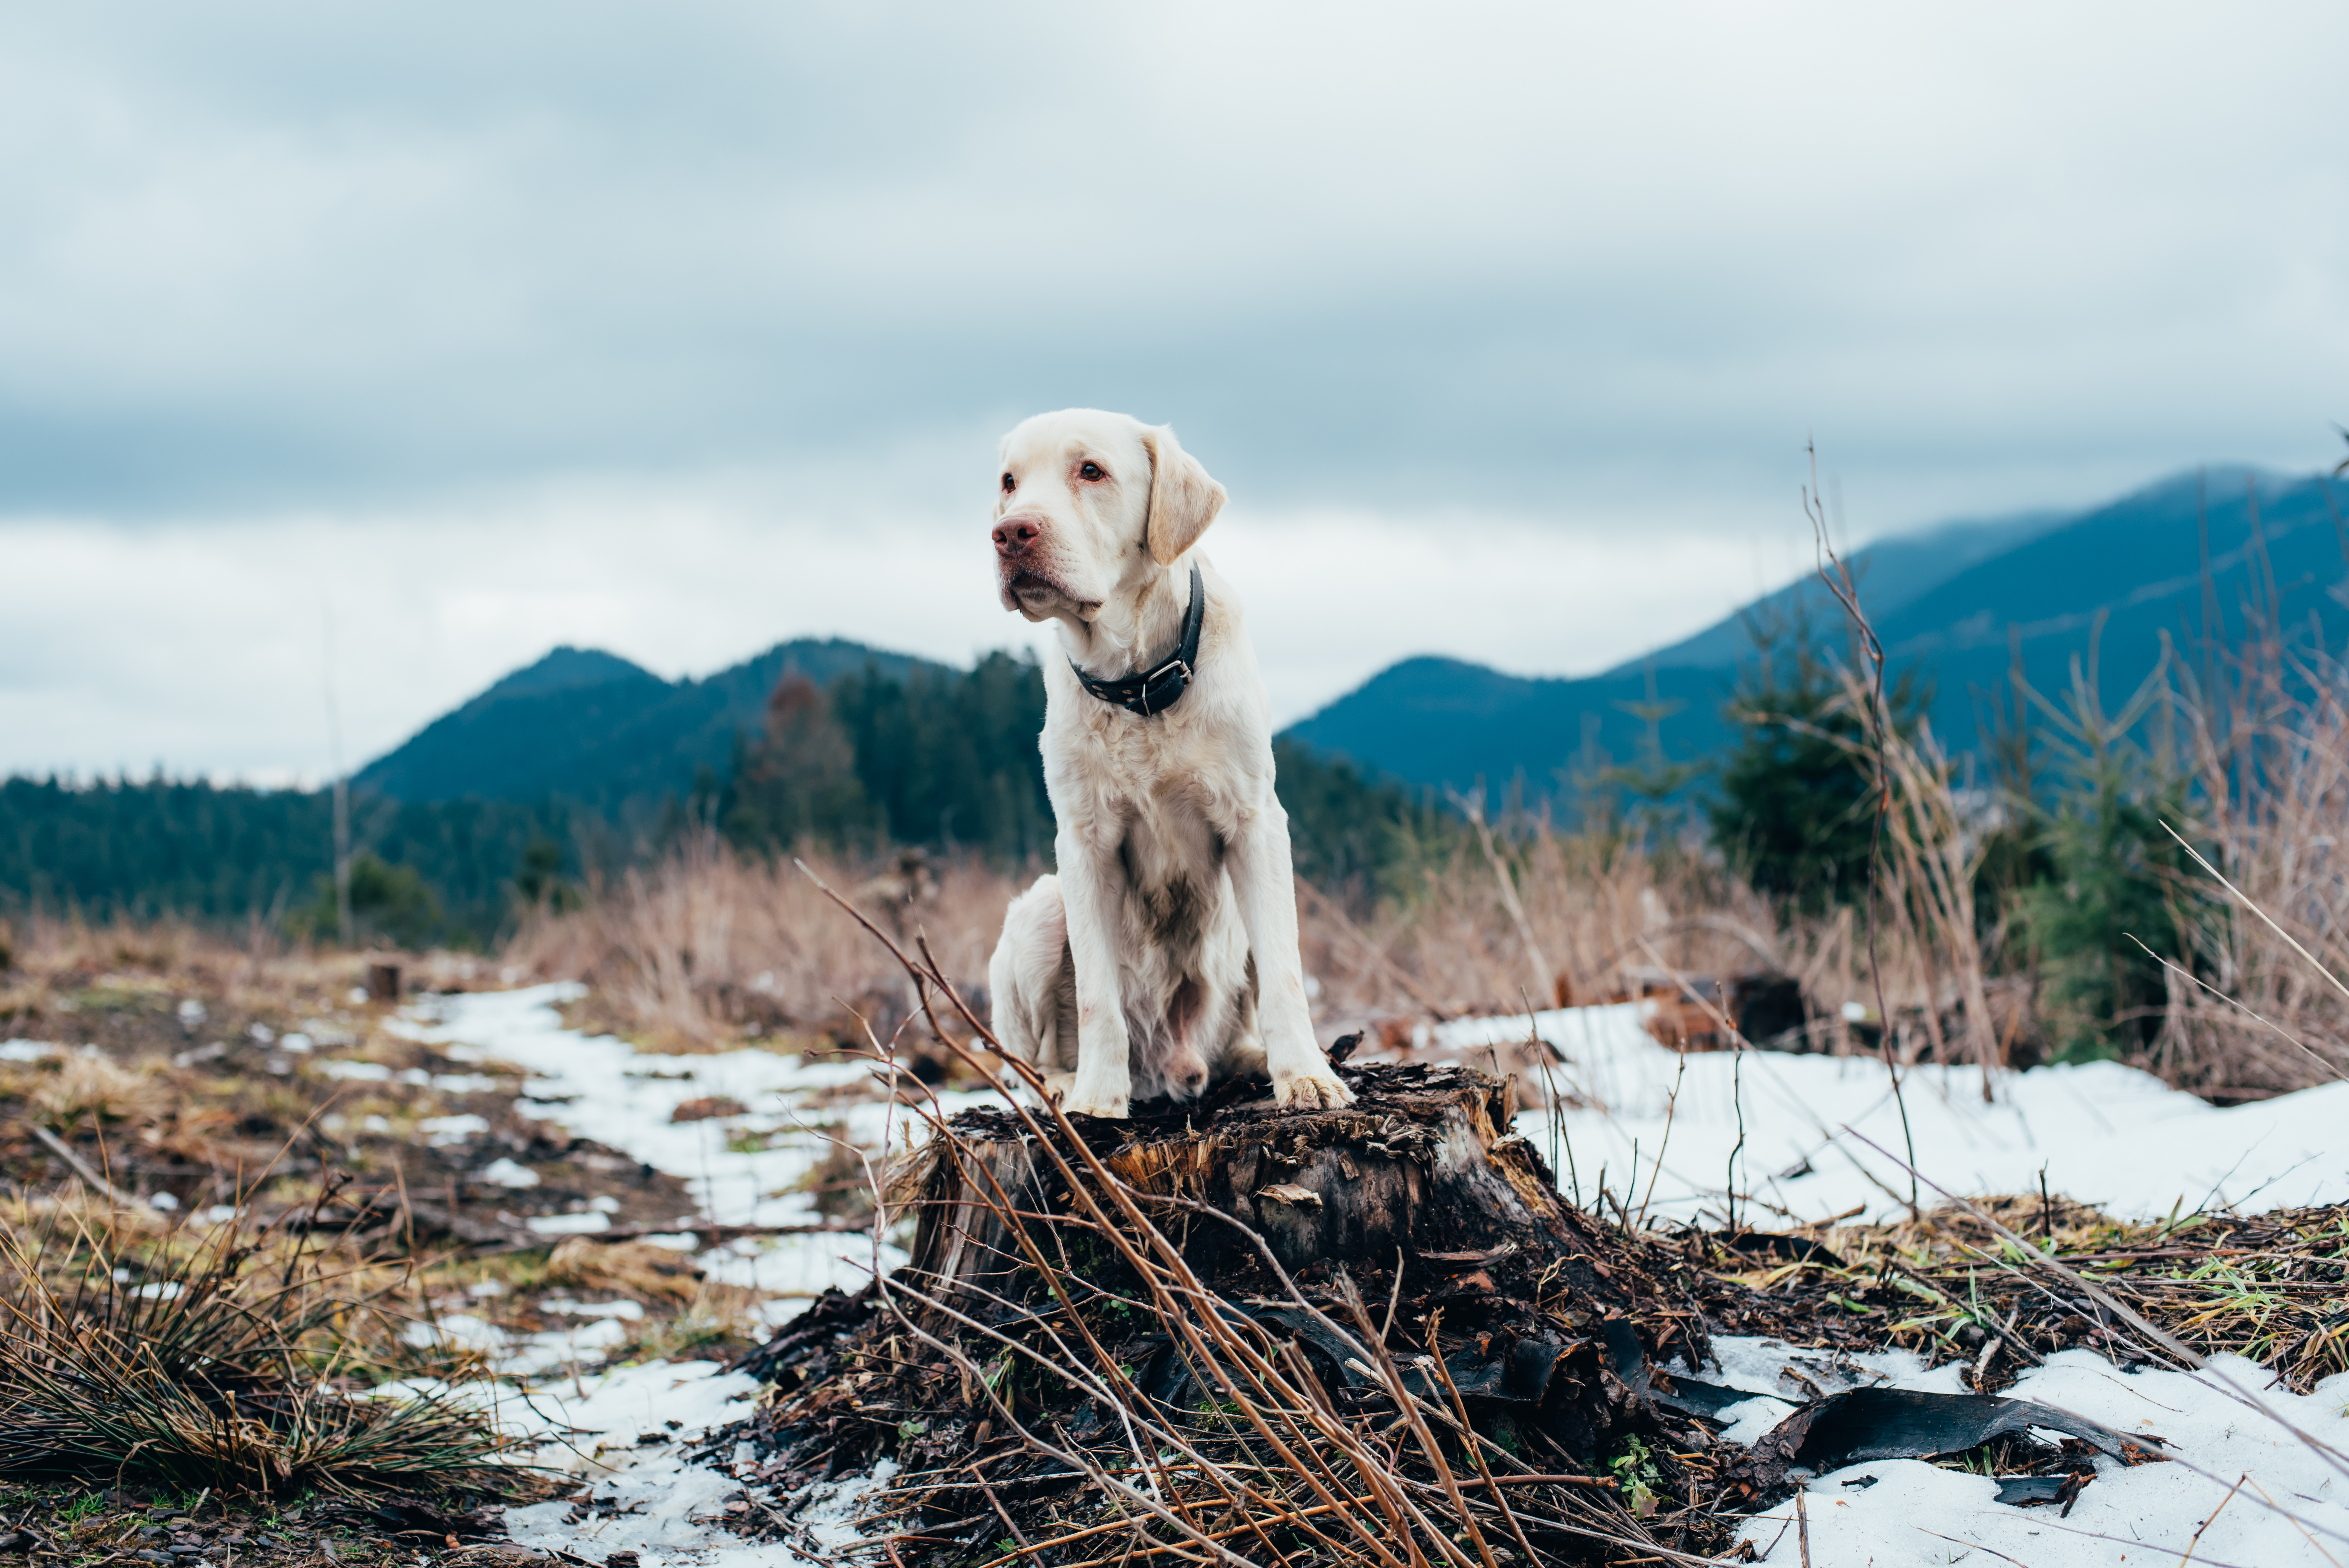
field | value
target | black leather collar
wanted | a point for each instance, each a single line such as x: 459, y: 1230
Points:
x: 1163, y: 688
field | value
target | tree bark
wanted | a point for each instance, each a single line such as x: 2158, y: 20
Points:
x: 1543, y: 1313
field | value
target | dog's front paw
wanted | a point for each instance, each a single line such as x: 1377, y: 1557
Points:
x: 1077, y: 1098
x: 1315, y: 1089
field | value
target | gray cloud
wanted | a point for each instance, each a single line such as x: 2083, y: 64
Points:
x: 1581, y: 268
x: 269, y: 250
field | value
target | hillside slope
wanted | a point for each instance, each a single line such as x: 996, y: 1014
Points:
x: 588, y: 727
x: 1892, y: 574
x: 2104, y: 587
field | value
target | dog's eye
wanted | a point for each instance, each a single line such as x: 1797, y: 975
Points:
x: 1092, y: 471
x: 1010, y: 484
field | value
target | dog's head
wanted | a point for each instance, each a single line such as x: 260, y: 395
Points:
x: 1088, y: 504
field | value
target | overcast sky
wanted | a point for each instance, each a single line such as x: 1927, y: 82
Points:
x: 682, y: 329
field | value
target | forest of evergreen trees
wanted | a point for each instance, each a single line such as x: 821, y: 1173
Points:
x: 875, y: 760
x: 949, y: 761
x: 232, y: 855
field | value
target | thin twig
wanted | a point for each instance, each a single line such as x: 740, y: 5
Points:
x: 79, y: 1166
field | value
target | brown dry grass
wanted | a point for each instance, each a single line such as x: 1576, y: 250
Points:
x: 1945, y: 1284
x: 1535, y: 914
x: 215, y: 1357
x: 708, y: 946
x: 637, y: 1268
x: 88, y: 1088
x: 59, y: 969
x: 2267, y: 736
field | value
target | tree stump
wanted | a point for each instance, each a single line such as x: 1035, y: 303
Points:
x: 1419, y: 1191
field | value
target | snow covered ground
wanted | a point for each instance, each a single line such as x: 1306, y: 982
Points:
x: 624, y: 1431
x: 2103, y: 1134
x: 2268, y: 1497
x: 602, y: 1088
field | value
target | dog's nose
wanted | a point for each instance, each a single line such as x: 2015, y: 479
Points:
x: 1014, y: 534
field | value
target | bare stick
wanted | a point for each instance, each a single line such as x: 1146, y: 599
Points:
x: 1847, y: 594
x: 1545, y: 979
x: 2255, y: 909
x: 79, y: 1166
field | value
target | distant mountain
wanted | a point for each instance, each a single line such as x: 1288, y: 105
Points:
x: 566, y: 668
x: 590, y: 726
x: 2119, y: 577
x: 1891, y: 574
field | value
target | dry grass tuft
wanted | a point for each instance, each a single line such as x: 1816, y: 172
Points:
x: 229, y: 1360
x: 633, y: 1268
x: 2263, y: 1286
x: 88, y: 1087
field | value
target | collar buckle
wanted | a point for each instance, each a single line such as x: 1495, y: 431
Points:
x: 1134, y: 693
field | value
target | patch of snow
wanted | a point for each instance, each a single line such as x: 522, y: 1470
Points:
x: 586, y: 1224
x: 505, y: 1172
x: 833, y: 1508
x: 1917, y: 1512
x: 597, y: 1429
x: 670, y: 1510
x: 448, y: 1131
x: 601, y: 1087
x: 164, y: 1290
x: 628, y: 1311
x: 518, y: 1356
x: 464, y: 1083
x: 296, y: 1042
x: 560, y: 1347
x: 459, y: 1329
x: 2105, y: 1134
x: 356, y: 1072
x: 29, y: 1050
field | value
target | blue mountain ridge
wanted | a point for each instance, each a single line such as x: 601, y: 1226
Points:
x: 2103, y: 587
x: 590, y: 726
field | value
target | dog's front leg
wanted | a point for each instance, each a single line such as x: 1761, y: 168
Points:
x: 1266, y: 886
x: 1091, y: 888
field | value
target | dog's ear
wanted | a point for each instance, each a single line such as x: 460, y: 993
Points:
x: 1183, y: 498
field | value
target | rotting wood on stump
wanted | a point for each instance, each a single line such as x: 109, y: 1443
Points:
x: 1547, y: 1317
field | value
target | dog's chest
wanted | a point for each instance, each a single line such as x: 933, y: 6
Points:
x: 1170, y: 861
x: 1152, y: 794
x: 1108, y: 764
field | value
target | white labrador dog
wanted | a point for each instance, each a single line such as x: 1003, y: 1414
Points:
x: 1164, y: 953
